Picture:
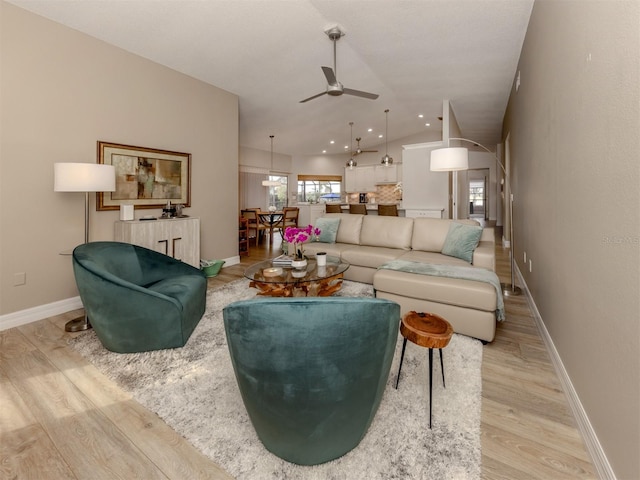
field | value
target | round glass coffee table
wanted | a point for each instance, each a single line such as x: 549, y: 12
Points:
x: 311, y: 281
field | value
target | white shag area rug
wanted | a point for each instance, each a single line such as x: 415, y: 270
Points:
x: 193, y: 389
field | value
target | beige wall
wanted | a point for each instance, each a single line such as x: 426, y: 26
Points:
x: 61, y: 92
x: 575, y: 133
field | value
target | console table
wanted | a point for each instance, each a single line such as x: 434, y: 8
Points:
x: 177, y: 237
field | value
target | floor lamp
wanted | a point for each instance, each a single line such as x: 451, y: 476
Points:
x: 83, y: 177
x: 450, y: 159
x: 457, y: 158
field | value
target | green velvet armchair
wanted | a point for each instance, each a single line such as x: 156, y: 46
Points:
x: 312, y: 370
x: 138, y: 299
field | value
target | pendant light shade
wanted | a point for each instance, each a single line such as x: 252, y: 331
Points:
x: 351, y: 163
x: 270, y: 183
x: 386, y: 160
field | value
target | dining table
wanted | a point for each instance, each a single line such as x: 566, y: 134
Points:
x: 270, y: 219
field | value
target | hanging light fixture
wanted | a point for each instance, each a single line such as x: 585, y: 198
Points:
x: 386, y: 160
x: 351, y: 163
x: 270, y: 183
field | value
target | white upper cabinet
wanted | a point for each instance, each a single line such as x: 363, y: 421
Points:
x: 360, y: 179
x: 386, y: 174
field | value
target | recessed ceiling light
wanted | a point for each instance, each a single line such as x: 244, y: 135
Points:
x: 420, y: 115
x: 324, y: 151
x: 427, y: 124
x: 332, y: 142
x: 370, y: 130
x: 380, y: 136
x: 346, y: 147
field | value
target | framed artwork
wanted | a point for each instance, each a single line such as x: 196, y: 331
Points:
x: 145, y: 177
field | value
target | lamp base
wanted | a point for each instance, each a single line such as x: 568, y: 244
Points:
x: 78, y: 324
x: 510, y: 291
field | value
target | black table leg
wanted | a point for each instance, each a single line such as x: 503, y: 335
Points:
x: 430, y: 384
x: 442, y: 368
x: 404, y: 345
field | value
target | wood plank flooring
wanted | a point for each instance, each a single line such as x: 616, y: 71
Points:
x: 62, y: 419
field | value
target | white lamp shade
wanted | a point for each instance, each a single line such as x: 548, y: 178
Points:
x: 83, y: 177
x: 270, y: 183
x: 449, y: 159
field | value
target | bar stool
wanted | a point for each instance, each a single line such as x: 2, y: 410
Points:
x: 426, y: 330
x: 360, y: 208
x: 389, y: 210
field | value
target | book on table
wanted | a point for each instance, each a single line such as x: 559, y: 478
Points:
x: 282, y: 261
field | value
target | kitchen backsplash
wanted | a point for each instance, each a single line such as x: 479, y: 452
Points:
x: 387, y: 194
x: 383, y: 194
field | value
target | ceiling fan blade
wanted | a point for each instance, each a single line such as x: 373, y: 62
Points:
x: 358, y: 93
x: 311, y: 98
x: 331, y: 77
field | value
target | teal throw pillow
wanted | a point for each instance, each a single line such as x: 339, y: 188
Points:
x: 462, y: 240
x: 328, y: 229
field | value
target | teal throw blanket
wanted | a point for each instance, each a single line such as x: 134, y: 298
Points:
x: 453, y: 271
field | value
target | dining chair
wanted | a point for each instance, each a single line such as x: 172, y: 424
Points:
x: 255, y: 224
x: 333, y: 208
x: 389, y: 210
x: 289, y: 219
x: 360, y: 208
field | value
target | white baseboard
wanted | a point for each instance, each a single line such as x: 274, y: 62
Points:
x: 594, y: 448
x: 40, y: 312
x: 231, y: 261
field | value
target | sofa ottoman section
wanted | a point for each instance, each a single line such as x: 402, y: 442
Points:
x: 469, y: 306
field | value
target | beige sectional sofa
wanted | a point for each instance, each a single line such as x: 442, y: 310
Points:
x: 372, y: 243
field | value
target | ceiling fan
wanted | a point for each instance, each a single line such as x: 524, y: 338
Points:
x: 359, y: 150
x: 334, y: 87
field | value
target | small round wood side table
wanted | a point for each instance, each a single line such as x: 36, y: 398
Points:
x: 426, y: 330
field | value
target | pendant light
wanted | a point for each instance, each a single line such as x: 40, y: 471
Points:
x: 386, y: 160
x: 270, y: 183
x: 351, y: 163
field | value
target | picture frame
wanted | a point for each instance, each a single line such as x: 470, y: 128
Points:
x: 145, y: 177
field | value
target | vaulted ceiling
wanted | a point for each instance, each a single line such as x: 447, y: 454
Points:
x: 413, y: 53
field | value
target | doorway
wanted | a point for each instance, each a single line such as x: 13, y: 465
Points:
x: 478, y: 187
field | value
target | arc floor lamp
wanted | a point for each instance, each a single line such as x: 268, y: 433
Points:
x: 83, y: 177
x: 453, y: 159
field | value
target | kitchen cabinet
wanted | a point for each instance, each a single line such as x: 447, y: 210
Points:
x: 425, y: 213
x: 422, y: 189
x: 386, y: 174
x: 360, y: 179
x: 176, y: 237
x: 308, y: 214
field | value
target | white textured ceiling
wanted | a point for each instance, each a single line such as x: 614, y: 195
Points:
x: 413, y: 53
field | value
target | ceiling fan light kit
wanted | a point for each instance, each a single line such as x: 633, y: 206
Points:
x: 334, y: 87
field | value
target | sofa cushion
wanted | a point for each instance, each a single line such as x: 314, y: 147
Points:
x: 434, y: 258
x: 388, y: 232
x: 331, y: 249
x: 372, y: 257
x: 349, y: 228
x: 450, y: 291
x: 462, y: 240
x: 328, y: 229
x: 429, y: 234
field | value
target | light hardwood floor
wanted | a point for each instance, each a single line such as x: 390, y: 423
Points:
x: 60, y: 418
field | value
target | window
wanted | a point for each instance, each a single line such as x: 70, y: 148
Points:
x: 319, y: 188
